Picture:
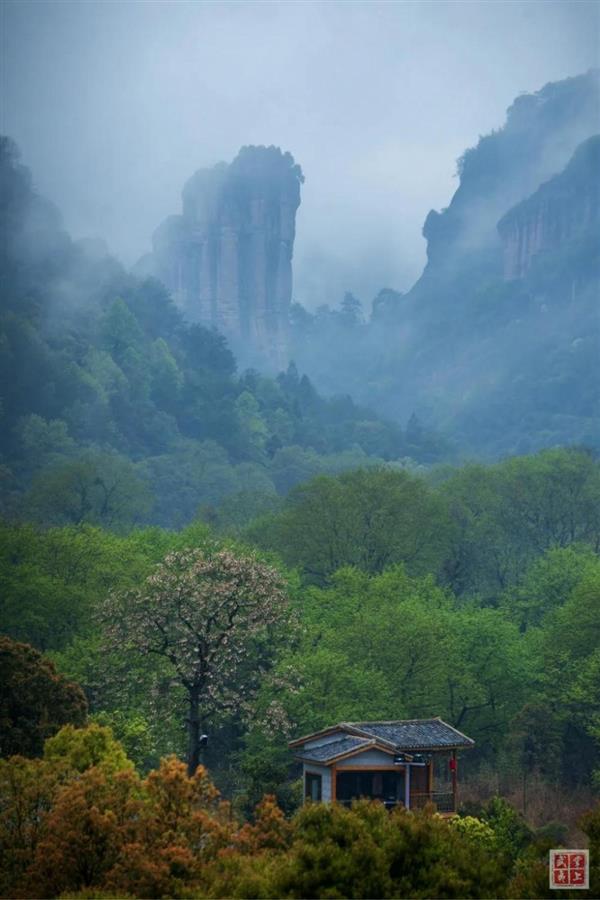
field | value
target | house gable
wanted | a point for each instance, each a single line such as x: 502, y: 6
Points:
x: 368, y: 757
x: 325, y: 739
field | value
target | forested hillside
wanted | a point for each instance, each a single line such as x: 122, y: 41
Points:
x: 472, y: 594
x: 462, y: 596
x: 117, y: 411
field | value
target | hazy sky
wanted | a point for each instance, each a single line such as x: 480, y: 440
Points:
x: 116, y: 103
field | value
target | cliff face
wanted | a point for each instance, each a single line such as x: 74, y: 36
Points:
x: 561, y: 210
x: 497, y: 342
x: 537, y: 140
x: 228, y: 258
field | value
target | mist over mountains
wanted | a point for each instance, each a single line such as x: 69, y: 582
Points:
x: 117, y: 410
x: 121, y: 402
x: 496, y: 344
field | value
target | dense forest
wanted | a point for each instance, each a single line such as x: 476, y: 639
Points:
x: 115, y: 411
x: 198, y: 564
x: 471, y: 594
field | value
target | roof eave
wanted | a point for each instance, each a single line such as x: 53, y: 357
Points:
x: 316, y: 734
x: 371, y: 744
x: 470, y: 742
x: 332, y: 759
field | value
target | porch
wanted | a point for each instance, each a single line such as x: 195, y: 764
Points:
x: 410, y: 785
x: 442, y: 802
x: 402, y: 763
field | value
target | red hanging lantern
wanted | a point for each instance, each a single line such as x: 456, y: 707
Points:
x: 453, y: 764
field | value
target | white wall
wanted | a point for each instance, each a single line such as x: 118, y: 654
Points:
x: 325, y: 774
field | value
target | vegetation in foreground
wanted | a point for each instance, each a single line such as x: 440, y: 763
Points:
x: 81, y: 822
x: 491, y: 622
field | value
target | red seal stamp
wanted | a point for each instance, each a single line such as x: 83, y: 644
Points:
x: 569, y: 869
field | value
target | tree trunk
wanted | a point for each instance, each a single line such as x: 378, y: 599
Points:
x: 193, y: 730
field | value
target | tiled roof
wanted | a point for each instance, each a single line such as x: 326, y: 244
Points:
x: 333, y: 749
x: 416, y: 734
x: 397, y: 736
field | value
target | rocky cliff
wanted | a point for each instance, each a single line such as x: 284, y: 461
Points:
x: 560, y: 211
x: 496, y: 344
x: 537, y: 140
x: 227, y: 258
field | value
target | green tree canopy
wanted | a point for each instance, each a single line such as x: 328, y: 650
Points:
x: 369, y: 518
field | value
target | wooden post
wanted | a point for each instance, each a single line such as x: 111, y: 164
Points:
x: 453, y: 766
x: 407, y: 786
x: 333, y: 783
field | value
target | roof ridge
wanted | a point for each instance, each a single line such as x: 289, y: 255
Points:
x: 398, y: 721
x: 322, y: 732
x: 352, y: 728
x: 368, y: 731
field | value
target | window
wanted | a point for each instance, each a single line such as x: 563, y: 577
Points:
x: 313, y: 786
x: 386, y: 786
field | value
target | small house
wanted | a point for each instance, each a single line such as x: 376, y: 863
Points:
x: 407, y: 762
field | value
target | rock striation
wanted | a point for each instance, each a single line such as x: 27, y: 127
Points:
x: 497, y: 342
x: 561, y: 210
x: 541, y: 132
x: 227, y: 259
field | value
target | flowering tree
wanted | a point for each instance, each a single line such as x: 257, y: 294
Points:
x: 204, y: 611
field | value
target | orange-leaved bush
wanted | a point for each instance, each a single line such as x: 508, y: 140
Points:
x: 332, y: 851
x: 123, y: 834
